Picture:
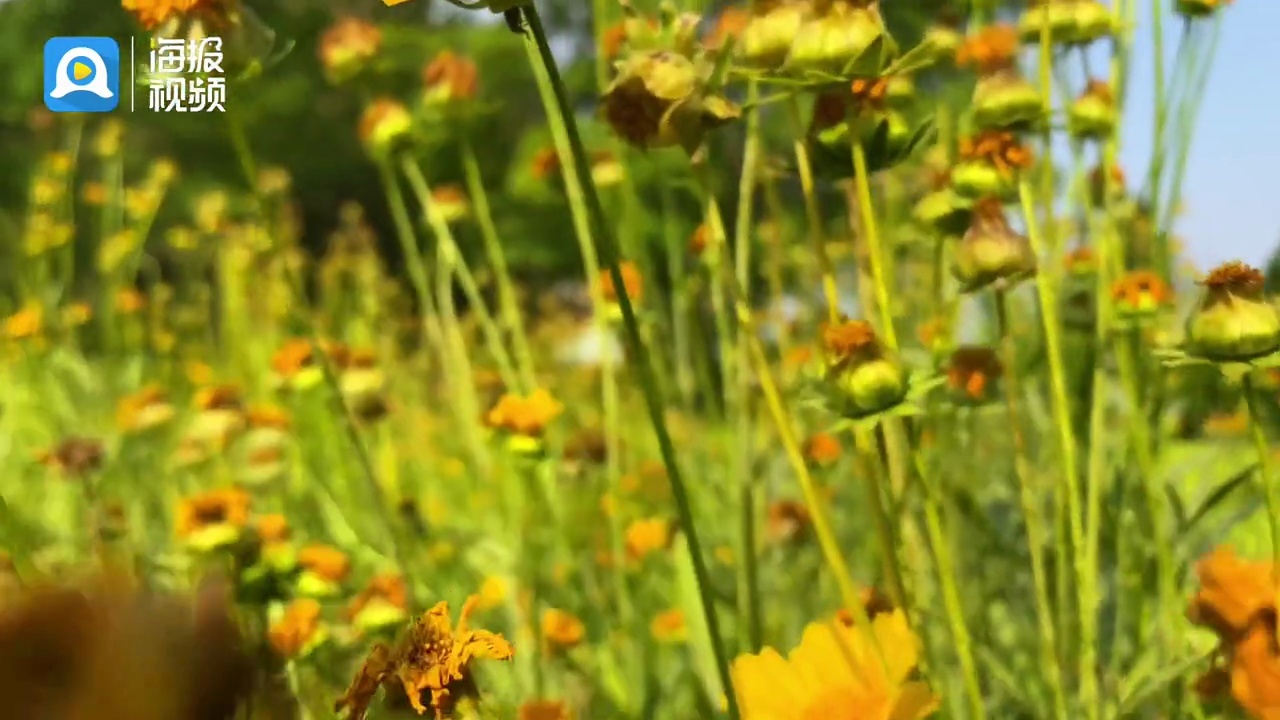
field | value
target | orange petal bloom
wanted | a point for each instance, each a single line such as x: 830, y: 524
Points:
x: 561, y: 628
x: 299, y: 626
x: 328, y: 562
x: 228, y: 506
x: 632, y: 282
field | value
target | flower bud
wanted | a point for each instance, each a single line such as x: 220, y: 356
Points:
x: 769, y: 34
x: 658, y: 101
x: 989, y: 165
x: 844, y: 36
x: 384, y: 126
x: 973, y: 374
x: 991, y: 253
x: 864, y: 378
x: 944, y: 40
x: 347, y: 47
x: 1093, y: 115
x: 1199, y: 8
x: 943, y: 211
x: 1140, y: 293
x: 1234, y: 322
x: 1090, y: 20
x: 1004, y: 99
x: 1058, y: 15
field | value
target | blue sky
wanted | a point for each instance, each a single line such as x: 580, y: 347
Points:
x: 1230, y: 194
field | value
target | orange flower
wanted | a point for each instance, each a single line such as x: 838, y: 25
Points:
x: 989, y: 50
x: 1141, y: 290
x: 293, y: 357
x: 669, y: 626
x: 644, y: 537
x: 632, y: 283
x: 545, y: 163
x: 730, y: 24
x: 26, y: 323
x: 433, y: 658
x: 272, y: 528
x: 528, y: 416
x: 225, y: 507
x: 843, y: 341
x: 143, y: 410
x: 327, y: 562
x: 269, y: 416
x: 612, y: 39
x: 822, y: 448
x: 347, y: 45
x: 789, y: 521
x: 130, y: 301
x: 450, y: 77
x: 219, y: 397
x: 1080, y: 260
x: 700, y: 239
x: 1000, y: 148
x: 153, y: 13
x: 544, y: 710
x: 561, y: 629
x: 388, y: 588
x: 296, y: 629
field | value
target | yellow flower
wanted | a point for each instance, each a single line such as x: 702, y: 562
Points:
x: 153, y: 13
x: 434, y: 658
x: 647, y: 536
x: 24, y: 324
x: 144, y: 410
x: 297, y: 630
x: 836, y: 674
x: 213, y: 519
x: 493, y: 592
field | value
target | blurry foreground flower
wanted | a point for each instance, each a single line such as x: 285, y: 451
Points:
x: 298, y: 629
x: 385, y: 125
x: 647, y: 536
x: 108, y: 651
x: 1237, y: 600
x: 25, y: 323
x: 561, y: 629
x: 448, y: 78
x: 432, y: 659
x: 1234, y: 321
x: 836, y: 674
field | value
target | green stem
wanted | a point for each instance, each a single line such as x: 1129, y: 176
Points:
x: 508, y: 303
x: 871, y: 235
x: 452, y: 255
x: 609, y: 252
x: 1031, y: 513
x: 813, y: 214
x: 1264, y: 467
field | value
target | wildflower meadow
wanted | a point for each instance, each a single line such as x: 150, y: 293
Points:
x: 624, y: 360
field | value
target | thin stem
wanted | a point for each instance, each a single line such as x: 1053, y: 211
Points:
x: 608, y: 248
x: 813, y: 213
x: 871, y: 235
x: 509, y: 306
x: 886, y: 540
x: 1031, y: 513
x: 1264, y: 469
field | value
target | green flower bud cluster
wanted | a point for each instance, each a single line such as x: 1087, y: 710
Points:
x: 1069, y: 22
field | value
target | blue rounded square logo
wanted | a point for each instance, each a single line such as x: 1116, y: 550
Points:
x: 82, y: 74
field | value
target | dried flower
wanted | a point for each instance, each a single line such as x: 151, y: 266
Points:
x: 659, y: 99
x: 972, y: 374
x: 433, y: 659
x: 1234, y: 321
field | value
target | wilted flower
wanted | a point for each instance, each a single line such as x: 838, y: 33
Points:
x: 432, y: 659
x: 384, y: 126
x: 347, y: 47
x: 837, y: 667
x: 788, y: 521
x: 972, y: 374
x: 864, y: 378
x: 991, y: 254
x: 659, y: 99
x: 1093, y: 115
x: 213, y: 519
x: 561, y: 629
x: 989, y: 165
x: 449, y: 78
x: 1140, y: 292
x: 1234, y: 321
x: 74, y: 457
x: 844, y: 36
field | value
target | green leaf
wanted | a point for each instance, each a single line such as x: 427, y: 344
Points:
x: 690, y: 602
